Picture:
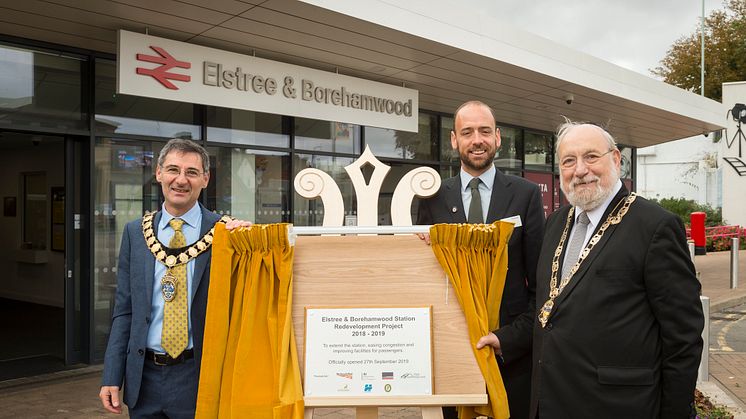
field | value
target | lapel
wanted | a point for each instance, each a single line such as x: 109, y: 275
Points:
x: 452, y: 197
x: 597, y: 249
x: 500, y: 198
x: 200, y: 263
x: 150, y: 260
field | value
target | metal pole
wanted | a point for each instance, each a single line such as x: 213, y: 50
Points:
x: 734, y: 245
x: 691, y: 249
x: 703, y: 373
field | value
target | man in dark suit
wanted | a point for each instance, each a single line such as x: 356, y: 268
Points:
x: 163, y: 275
x: 619, y: 320
x: 496, y: 196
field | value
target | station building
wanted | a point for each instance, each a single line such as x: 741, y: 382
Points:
x: 78, y: 152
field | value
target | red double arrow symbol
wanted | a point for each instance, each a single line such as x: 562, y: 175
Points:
x: 161, y: 74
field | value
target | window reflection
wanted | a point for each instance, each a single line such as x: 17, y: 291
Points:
x: 125, y: 114
x: 509, y: 155
x: 124, y: 188
x: 310, y: 212
x: 447, y: 153
x: 422, y: 145
x: 41, y: 90
x: 626, y: 163
x: 538, y: 151
x: 245, y: 127
x: 249, y: 184
x: 335, y: 137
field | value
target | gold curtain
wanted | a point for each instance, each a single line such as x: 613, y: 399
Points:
x: 475, y: 258
x: 249, y: 361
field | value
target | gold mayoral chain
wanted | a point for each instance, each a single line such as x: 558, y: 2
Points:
x: 173, y: 257
x: 615, y: 217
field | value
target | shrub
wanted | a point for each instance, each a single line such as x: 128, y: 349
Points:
x: 685, y: 207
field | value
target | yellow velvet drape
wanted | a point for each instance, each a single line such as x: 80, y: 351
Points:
x: 249, y: 362
x: 475, y: 258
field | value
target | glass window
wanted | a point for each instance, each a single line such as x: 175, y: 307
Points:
x: 626, y: 169
x: 310, y: 212
x: 34, y: 210
x: 125, y: 114
x: 249, y: 184
x: 538, y: 151
x: 398, y: 170
x: 509, y: 154
x: 38, y: 89
x: 125, y: 186
x: 245, y: 127
x: 422, y: 145
x: 335, y: 137
x: 447, y: 153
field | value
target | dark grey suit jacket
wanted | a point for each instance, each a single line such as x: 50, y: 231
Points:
x: 125, y: 353
x: 511, y: 195
x: 624, y: 338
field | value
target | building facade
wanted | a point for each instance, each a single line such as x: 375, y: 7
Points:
x: 79, y: 157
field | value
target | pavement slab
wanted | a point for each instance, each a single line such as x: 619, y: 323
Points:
x: 74, y: 393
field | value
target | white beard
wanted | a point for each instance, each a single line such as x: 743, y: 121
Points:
x: 589, y: 199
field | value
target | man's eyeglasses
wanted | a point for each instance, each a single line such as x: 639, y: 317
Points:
x: 176, y: 171
x: 588, y: 158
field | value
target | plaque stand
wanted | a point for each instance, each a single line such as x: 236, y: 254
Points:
x: 387, y: 270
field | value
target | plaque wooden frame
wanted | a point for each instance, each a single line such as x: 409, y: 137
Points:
x: 388, y: 270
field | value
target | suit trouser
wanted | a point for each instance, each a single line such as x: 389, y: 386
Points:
x: 167, y: 391
x: 517, y: 379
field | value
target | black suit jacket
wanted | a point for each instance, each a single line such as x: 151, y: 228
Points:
x: 624, y: 338
x: 511, y: 195
x: 125, y: 352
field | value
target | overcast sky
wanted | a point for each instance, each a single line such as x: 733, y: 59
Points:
x: 634, y: 34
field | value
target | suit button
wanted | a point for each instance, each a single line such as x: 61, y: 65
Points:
x: 147, y: 320
x: 140, y: 352
x: 548, y: 327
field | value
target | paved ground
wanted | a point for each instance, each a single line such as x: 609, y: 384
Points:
x: 74, y: 394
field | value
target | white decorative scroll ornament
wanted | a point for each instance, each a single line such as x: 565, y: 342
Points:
x: 423, y: 182
x: 313, y: 183
x: 367, y: 193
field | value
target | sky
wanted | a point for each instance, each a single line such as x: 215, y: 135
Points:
x: 634, y: 34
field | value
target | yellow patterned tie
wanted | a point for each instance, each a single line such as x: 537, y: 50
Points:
x: 175, y: 334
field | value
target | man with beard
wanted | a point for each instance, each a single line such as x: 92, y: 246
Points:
x: 619, y: 321
x: 482, y: 194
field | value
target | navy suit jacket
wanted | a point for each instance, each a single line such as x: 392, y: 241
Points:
x: 125, y: 353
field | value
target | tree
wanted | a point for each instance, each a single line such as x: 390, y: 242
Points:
x: 725, y: 53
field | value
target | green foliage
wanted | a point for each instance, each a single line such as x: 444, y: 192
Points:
x: 708, y: 410
x: 725, y: 53
x: 685, y: 207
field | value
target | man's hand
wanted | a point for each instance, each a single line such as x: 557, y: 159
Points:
x: 491, y: 340
x: 425, y: 237
x: 109, y: 396
x: 233, y: 224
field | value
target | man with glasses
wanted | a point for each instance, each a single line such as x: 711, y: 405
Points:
x: 482, y: 194
x: 163, y: 275
x: 619, y: 322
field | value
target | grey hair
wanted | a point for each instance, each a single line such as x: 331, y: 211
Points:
x: 567, y: 126
x: 474, y: 103
x: 184, y: 146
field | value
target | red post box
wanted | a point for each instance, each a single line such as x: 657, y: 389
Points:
x: 698, y: 232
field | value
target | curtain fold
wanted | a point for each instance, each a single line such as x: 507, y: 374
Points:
x: 249, y: 361
x: 475, y: 258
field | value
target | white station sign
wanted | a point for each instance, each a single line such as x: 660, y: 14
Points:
x: 166, y: 69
